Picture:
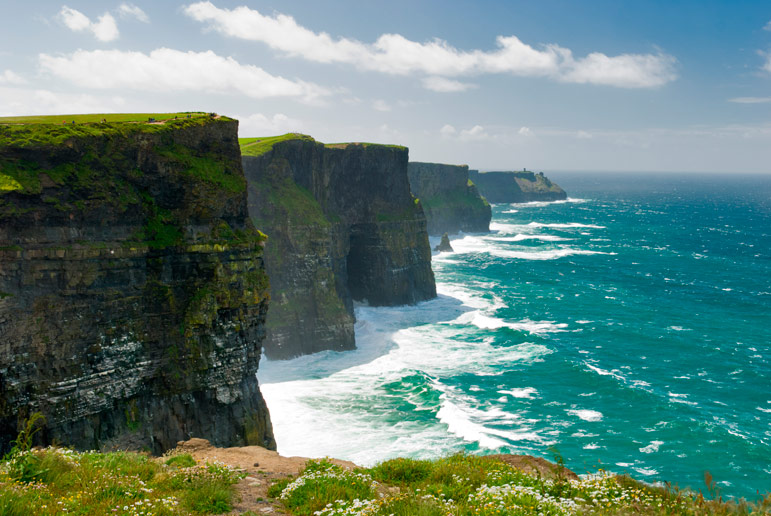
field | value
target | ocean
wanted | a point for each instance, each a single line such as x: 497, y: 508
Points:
x: 626, y: 329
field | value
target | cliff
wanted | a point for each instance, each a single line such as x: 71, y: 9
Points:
x: 342, y: 226
x: 450, y: 199
x: 506, y: 187
x: 132, y: 289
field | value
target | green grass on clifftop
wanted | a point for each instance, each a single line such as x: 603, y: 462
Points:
x: 466, y: 485
x: 259, y: 146
x: 98, y: 118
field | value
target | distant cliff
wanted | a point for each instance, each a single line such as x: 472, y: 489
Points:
x: 450, y: 200
x: 505, y: 187
x: 132, y: 289
x: 342, y: 225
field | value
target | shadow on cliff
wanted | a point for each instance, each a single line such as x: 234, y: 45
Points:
x: 376, y: 328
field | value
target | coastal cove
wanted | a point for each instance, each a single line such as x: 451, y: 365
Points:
x: 596, y: 328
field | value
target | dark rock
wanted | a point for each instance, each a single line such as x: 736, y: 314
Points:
x: 133, y: 290
x: 444, y: 246
x: 342, y: 225
x: 449, y: 198
x: 508, y: 187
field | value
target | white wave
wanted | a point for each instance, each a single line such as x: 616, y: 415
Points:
x: 591, y: 446
x: 463, y: 422
x: 520, y: 237
x: 678, y: 328
x: 758, y: 408
x: 487, y: 322
x: 646, y: 471
x: 524, y: 392
x: 653, y: 447
x: 586, y: 415
x: 551, y: 254
x: 564, y: 225
x: 510, y: 211
x: 541, y: 204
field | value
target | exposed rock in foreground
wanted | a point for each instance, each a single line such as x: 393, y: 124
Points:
x: 449, y: 198
x: 342, y: 225
x: 507, y: 187
x: 132, y: 290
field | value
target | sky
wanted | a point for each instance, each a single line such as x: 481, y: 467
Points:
x: 618, y: 85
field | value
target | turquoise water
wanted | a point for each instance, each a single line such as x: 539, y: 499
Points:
x: 628, y: 329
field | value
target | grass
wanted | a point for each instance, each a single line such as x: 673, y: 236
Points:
x: 465, y: 485
x: 98, y: 118
x: 62, y: 481
x: 363, y: 144
x: 259, y: 146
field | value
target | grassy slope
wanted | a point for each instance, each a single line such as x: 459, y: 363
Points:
x: 259, y: 146
x: 466, y: 485
x: 97, y: 118
x: 60, y: 481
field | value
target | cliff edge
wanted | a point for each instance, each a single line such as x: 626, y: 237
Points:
x: 450, y: 199
x: 132, y: 289
x: 507, y: 187
x: 342, y: 226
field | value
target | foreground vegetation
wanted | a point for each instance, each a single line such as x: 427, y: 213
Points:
x: 61, y: 481
x: 464, y: 485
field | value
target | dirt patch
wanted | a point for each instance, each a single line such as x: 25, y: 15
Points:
x: 264, y: 467
x: 534, y: 465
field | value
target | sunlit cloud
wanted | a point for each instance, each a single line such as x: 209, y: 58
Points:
x: 397, y: 55
x: 166, y: 69
x: 103, y: 29
x: 128, y: 10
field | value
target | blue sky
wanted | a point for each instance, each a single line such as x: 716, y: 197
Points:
x: 547, y: 85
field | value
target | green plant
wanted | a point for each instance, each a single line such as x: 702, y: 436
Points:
x: 23, y: 462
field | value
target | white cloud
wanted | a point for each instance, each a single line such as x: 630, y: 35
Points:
x: 525, y: 131
x: 750, y: 100
x: 381, y: 105
x: 166, y: 69
x: 583, y: 135
x: 104, y: 28
x: 9, y: 77
x: 768, y: 26
x: 27, y: 101
x: 767, y: 66
x: 128, y: 10
x: 444, y: 85
x: 447, y: 131
x: 475, y: 133
x: 625, y: 71
x: 258, y: 124
x: 395, y: 54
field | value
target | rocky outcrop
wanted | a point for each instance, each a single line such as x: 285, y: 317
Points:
x: 444, y: 245
x: 132, y: 289
x: 449, y: 198
x: 507, y: 187
x: 342, y: 225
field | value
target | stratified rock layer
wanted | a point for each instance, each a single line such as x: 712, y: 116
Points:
x: 132, y: 289
x: 449, y: 198
x: 342, y: 225
x: 507, y: 187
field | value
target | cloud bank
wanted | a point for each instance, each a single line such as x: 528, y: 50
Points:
x: 397, y: 55
x: 166, y: 69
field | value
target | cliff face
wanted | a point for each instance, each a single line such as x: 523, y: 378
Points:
x: 132, y: 289
x: 450, y: 199
x: 505, y: 187
x: 342, y: 225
